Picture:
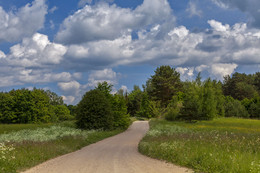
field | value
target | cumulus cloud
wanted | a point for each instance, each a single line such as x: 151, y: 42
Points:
x: 100, y: 76
x: 220, y: 70
x: 23, y: 23
x: 186, y: 73
x: 250, y: 7
x: 2, y: 54
x: 36, y: 51
x: 193, y: 10
x: 220, y: 44
x: 71, y: 88
x: 108, y: 22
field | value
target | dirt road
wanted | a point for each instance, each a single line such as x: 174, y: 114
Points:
x: 118, y: 154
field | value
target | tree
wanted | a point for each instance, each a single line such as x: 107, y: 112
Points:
x: 134, y: 101
x: 54, y: 99
x: 94, y: 111
x: 119, y: 110
x: 62, y: 112
x: 118, y: 105
x: 145, y: 107
x: 233, y: 108
x: 164, y: 84
x: 240, y: 86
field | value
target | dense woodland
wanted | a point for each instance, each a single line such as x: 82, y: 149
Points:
x: 164, y: 95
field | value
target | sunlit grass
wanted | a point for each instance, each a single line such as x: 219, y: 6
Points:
x: 223, y: 145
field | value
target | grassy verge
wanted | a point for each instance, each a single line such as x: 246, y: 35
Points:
x: 224, y: 145
x: 22, y: 149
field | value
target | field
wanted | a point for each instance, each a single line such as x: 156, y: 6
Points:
x: 229, y: 145
x: 25, y: 145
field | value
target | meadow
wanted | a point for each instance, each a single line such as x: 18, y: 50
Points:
x: 25, y: 145
x: 225, y: 145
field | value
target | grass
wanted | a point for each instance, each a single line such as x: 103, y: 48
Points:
x: 22, y: 148
x: 226, y: 145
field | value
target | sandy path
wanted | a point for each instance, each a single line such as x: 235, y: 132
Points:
x: 117, y: 154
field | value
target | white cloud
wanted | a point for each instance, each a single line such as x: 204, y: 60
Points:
x: 124, y: 88
x: 82, y: 3
x: 193, y: 10
x: 69, y: 99
x: 71, y: 88
x: 186, y: 72
x: 100, y: 76
x: 217, y: 26
x: 220, y: 70
x: 36, y: 52
x: 221, y: 44
x: 108, y: 22
x: 2, y: 54
x: 53, y: 9
x: 23, y: 23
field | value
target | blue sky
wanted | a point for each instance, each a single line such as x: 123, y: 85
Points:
x: 69, y: 46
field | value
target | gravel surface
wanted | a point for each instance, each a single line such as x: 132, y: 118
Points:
x: 117, y: 154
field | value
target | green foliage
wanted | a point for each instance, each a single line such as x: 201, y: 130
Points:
x: 105, y: 88
x: 202, y: 100
x: 25, y: 106
x: 252, y: 106
x: 173, y: 108
x: 134, y: 101
x: 145, y: 107
x: 164, y: 84
x: 241, y: 86
x: 234, y: 108
x: 119, y: 109
x: 94, y: 111
x: 62, y: 113
x: 54, y: 99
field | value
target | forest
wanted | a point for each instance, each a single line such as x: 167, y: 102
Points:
x: 164, y: 95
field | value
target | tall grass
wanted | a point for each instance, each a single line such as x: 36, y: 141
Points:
x: 224, y: 145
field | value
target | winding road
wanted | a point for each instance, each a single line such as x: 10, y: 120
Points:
x: 117, y: 154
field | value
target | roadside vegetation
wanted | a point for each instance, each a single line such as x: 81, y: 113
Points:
x: 223, y: 145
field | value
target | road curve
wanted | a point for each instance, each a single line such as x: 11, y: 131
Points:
x: 117, y: 154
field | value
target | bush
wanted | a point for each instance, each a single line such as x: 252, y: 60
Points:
x: 234, y: 108
x: 62, y: 113
x: 94, y: 111
x: 120, y: 116
x: 173, y: 109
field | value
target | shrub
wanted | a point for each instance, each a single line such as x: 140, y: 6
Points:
x: 62, y: 113
x: 94, y: 111
x: 234, y: 108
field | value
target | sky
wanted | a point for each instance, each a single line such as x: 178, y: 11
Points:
x: 69, y: 46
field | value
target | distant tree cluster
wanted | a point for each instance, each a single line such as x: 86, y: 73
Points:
x: 32, y: 106
x: 99, y: 109
x: 166, y: 95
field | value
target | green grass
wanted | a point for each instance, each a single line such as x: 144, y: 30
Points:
x: 6, y: 128
x: 226, y: 145
x: 41, y: 143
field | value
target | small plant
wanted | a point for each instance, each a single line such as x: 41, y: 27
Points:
x: 6, y: 152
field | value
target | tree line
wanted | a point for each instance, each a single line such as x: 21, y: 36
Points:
x: 33, y: 106
x: 164, y: 95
